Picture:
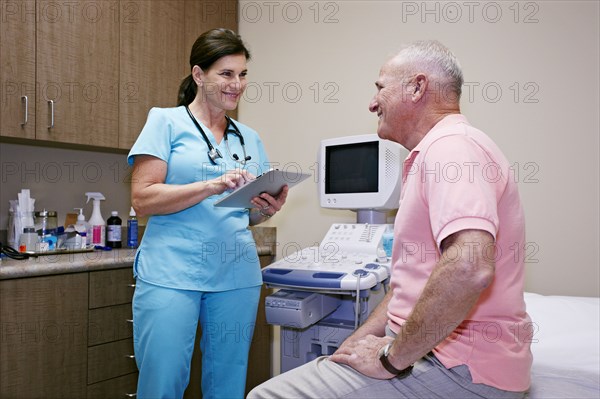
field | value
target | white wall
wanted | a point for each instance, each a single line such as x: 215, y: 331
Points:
x: 532, y: 84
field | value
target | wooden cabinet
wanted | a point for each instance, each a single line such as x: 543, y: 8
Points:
x: 77, y: 53
x: 152, y: 61
x: 111, y: 361
x: 87, y: 72
x: 71, y: 335
x: 17, y: 69
x: 156, y: 41
x: 44, y: 337
x: 58, y: 71
x: 67, y: 336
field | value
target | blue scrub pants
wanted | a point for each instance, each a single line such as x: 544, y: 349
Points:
x: 164, y: 330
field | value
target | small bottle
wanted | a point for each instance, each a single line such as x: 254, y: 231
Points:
x: 132, y: 229
x: 28, y: 239
x: 113, y: 230
x: 82, y: 227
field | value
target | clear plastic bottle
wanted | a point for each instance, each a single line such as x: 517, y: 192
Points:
x: 28, y: 240
x: 113, y: 230
x: 132, y: 229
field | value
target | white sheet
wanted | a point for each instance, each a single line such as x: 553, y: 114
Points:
x: 565, y: 346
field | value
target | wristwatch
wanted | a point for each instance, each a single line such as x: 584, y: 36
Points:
x: 383, y: 358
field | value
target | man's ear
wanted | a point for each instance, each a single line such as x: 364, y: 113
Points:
x: 421, y: 82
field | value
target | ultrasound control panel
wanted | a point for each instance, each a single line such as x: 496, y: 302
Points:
x: 350, y: 257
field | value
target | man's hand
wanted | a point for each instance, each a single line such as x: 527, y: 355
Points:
x: 363, y: 356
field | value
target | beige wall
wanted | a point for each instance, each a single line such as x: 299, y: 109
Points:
x: 532, y: 84
x: 58, y: 179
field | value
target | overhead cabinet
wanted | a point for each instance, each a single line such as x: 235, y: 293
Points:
x: 77, y: 54
x: 86, y: 72
x: 17, y: 69
x: 59, y: 71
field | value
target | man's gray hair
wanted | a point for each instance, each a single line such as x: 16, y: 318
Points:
x: 433, y: 57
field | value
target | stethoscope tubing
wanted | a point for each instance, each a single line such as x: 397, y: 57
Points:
x: 213, y: 153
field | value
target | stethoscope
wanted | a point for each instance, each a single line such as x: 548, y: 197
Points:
x: 213, y: 153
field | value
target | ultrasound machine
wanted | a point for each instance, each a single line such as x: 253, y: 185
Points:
x: 325, y: 292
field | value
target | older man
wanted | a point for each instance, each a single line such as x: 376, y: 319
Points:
x: 453, y: 324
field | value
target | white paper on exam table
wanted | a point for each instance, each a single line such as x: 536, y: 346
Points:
x: 270, y: 182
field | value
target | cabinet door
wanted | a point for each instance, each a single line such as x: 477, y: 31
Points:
x: 110, y: 360
x: 152, y: 61
x: 44, y: 337
x: 17, y: 68
x: 121, y: 387
x: 77, y: 72
x: 111, y: 287
x: 111, y: 323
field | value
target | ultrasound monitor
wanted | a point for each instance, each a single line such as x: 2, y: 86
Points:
x: 362, y: 173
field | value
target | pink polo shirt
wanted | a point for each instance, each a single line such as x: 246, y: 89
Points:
x: 456, y: 179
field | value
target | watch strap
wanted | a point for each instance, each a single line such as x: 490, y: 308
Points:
x: 383, y: 358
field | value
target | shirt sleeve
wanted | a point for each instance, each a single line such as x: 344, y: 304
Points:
x: 155, y: 137
x: 461, y: 186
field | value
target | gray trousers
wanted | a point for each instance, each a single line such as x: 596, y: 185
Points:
x: 323, y: 378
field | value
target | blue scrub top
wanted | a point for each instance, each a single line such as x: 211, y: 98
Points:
x: 202, y: 248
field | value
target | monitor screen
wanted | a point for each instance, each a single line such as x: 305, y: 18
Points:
x: 352, y: 168
x: 361, y: 172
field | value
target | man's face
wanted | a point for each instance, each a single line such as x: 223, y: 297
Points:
x: 392, y: 103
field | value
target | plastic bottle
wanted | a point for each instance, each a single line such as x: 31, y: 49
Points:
x: 82, y: 228
x: 113, y: 230
x: 97, y: 223
x: 28, y: 239
x: 132, y: 229
x: 388, y: 241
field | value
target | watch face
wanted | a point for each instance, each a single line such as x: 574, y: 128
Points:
x: 383, y: 351
x: 386, y: 349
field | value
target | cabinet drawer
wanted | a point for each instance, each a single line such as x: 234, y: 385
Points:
x: 111, y: 287
x: 112, y: 323
x: 120, y: 387
x: 111, y: 360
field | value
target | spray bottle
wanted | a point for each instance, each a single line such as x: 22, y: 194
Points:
x: 97, y: 223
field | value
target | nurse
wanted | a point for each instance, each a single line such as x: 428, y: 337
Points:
x: 196, y: 262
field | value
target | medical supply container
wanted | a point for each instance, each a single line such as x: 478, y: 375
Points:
x: 82, y: 227
x: 28, y: 240
x: 113, y: 230
x: 132, y: 229
x: 97, y: 232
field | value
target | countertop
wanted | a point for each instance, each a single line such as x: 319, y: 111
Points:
x: 77, y: 262
x: 66, y: 263
x: 103, y: 260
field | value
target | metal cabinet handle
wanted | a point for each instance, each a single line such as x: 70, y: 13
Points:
x: 131, y: 285
x: 51, y: 104
x: 131, y: 395
x: 25, y: 102
x: 130, y: 356
x: 129, y: 321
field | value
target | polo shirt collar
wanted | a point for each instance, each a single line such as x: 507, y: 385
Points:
x: 432, y: 135
x: 437, y: 130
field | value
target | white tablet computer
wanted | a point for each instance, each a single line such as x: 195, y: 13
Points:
x: 269, y: 182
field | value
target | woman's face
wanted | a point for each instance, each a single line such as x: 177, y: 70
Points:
x: 223, y: 84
